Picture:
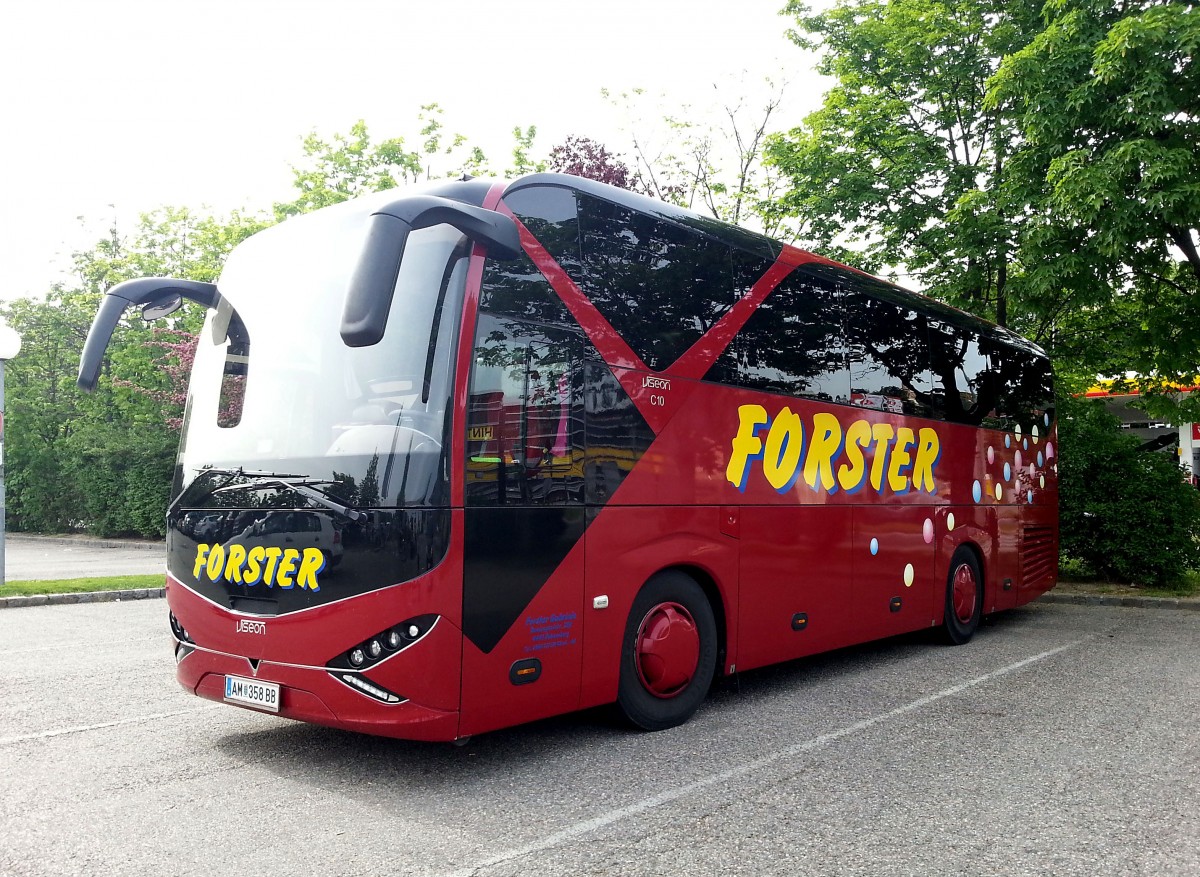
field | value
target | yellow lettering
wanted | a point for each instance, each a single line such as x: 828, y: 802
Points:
x: 201, y: 554
x: 882, y: 433
x: 901, y: 460
x: 233, y: 567
x: 287, y: 566
x: 216, y: 561
x: 824, y: 448
x: 273, y: 555
x: 928, y: 451
x: 254, y: 559
x: 852, y: 474
x: 746, y: 445
x: 310, y: 565
x: 785, y: 444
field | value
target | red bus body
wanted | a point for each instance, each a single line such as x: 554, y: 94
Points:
x: 579, y: 473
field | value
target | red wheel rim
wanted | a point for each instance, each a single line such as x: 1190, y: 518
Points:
x: 667, y: 650
x: 965, y: 593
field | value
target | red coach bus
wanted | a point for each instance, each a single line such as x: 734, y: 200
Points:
x: 467, y: 456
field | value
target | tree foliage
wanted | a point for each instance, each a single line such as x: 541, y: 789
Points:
x: 904, y: 164
x: 1107, y: 97
x: 586, y: 158
x: 103, y: 461
x: 1032, y: 164
x: 708, y: 159
x: 1127, y: 513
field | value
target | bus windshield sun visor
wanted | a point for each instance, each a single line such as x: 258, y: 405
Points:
x: 156, y: 293
x: 370, y: 295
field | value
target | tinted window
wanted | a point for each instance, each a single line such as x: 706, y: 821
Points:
x: 617, y: 435
x: 888, y: 350
x: 1024, y: 385
x: 793, y: 343
x: 660, y: 286
x: 550, y: 214
x: 525, y: 415
x: 965, y: 387
x: 515, y: 288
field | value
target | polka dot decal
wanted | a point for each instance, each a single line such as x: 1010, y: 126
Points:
x: 1009, y: 471
x: 1015, y: 472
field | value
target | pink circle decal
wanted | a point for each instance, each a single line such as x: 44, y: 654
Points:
x: 928, y: 530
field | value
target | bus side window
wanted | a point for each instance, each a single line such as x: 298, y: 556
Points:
x: 888, y: 350
x: 1025, y: 385
x: 792, y: 344
x: 660, y: 286
x: 524, y: 416
x: 965, y: 384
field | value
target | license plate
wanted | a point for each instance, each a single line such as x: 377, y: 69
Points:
x: 252, y: 692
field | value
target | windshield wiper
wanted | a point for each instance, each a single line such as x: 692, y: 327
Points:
x: 230, y: 474
x: 303, y: 486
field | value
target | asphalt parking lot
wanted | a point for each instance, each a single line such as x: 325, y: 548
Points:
x: 1063, y: 740
x: 51, y: 557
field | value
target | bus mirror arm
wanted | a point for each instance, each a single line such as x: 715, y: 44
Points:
x: 369, y: 298
x: 143, y: 291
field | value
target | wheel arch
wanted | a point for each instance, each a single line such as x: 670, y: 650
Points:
x: 973, y: 546
x: 716, y: 599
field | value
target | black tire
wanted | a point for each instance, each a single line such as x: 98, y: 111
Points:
x: 964, y: 597
x: 659, y: 686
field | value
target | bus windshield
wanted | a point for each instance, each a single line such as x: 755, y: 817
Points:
x: 275, y: 391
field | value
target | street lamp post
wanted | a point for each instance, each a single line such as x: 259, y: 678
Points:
x: 10, y: 346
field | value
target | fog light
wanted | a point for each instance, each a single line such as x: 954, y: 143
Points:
x: 413, y: 631
x: 393, y: 640
x: 374, y: 648
x: 358, y: 658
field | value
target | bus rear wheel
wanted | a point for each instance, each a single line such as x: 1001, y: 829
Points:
x: 669, y: 653
x: 964, y: 597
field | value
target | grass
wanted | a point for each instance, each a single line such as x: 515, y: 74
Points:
x: 79, y: 586
x: 1075, y: 577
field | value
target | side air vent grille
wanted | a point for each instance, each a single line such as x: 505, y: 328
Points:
x: 1038, y: 556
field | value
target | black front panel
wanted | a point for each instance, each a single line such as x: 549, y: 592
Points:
x: 510, y: 554
x: 271, y: 561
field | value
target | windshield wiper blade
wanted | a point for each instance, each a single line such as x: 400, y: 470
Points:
x: 300, y: 485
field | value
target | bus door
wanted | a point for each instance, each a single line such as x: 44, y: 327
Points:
x: 523, y: 563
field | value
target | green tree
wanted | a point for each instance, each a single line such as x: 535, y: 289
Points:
x: 904, y: 164
x: 103, y: 461
x: 1127, y: 513
x: 1107, y: 97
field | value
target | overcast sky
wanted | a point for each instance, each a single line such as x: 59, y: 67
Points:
x: 114, y: 107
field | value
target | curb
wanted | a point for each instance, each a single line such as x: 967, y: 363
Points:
x: 1129, y: 602
x: 86, y: 597
x: 89, y: 541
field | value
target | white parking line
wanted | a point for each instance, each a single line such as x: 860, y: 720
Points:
x: 590, y: 825
x: 58, y: 732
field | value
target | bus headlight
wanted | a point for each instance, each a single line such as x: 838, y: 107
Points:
x: 384, y: 644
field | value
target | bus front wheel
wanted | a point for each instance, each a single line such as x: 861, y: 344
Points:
x: 669, y: 653
x: 964, y: 597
